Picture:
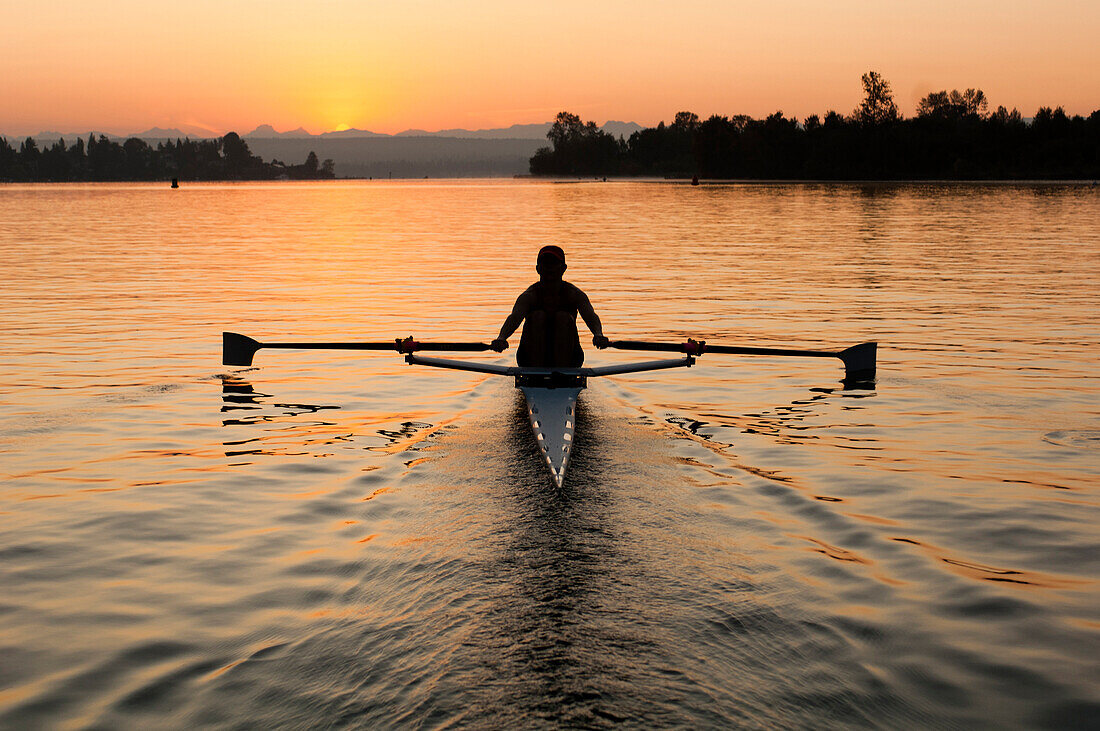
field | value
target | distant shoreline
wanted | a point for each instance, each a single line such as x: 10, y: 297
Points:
x: 103, y: 160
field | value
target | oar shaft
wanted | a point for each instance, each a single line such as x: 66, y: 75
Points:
x: 698, y: 348
x: 641, y: 345
x: 391, y: 345
x: 238, y: 350
x: 857, y: 359
x: 740, y: 350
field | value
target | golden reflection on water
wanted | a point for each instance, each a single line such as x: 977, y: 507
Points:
x: 326, y: 530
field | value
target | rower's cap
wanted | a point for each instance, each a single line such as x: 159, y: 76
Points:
x: 552, y: 252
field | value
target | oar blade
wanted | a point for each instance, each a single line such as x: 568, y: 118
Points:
x: 238, y: 350
x: 860, y: 360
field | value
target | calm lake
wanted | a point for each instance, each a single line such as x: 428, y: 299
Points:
x: 337, y: 539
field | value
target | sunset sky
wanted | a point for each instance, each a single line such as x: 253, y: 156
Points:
x: 388, y: 66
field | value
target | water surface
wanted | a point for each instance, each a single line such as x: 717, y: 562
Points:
x: 338, y: 539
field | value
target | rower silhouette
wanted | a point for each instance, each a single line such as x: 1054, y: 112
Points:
x: 548, y: 310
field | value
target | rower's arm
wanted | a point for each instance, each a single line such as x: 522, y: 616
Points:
x: 592, y: 320
x: 519, y: 311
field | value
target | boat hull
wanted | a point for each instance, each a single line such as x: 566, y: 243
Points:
x: 552, y: 411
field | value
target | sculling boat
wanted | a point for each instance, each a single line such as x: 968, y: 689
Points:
x: 551, y: 393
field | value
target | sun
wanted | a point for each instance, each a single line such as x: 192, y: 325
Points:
x: 342, y: 127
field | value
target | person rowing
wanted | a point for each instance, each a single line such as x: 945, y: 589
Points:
x: 549, y: 346
x: 548, y: 310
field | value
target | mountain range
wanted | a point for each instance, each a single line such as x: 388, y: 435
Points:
x: 267, y: 132
x: 358, y: 153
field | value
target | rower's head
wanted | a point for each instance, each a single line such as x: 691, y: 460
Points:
x: 551, y: 262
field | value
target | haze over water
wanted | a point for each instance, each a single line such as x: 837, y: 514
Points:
x: 339, y: 539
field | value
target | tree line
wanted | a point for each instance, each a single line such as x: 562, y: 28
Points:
x: 952, y: 136
x: 227, y: 158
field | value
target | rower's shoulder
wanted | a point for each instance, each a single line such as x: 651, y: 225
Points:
x: 527, y: 297
x: 574, y: 290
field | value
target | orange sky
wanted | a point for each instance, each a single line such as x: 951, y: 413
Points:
x: 387, y: 66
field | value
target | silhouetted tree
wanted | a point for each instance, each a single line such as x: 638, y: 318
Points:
x: 953, y: 105
x: 685, y: 122
x: 238, y: 158
x: 567, y: 127
x: 138, y: 156
x: 29, y: 156
x: 579, y: 148
x: 7, y: 157
x: 717, y: 147
x: 878, y: 105
x: 78, y: 168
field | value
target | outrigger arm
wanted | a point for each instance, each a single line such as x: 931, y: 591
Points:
x: 518, y: 371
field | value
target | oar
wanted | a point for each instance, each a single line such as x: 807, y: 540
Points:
x: 238, y: 350
x: 858, y: 359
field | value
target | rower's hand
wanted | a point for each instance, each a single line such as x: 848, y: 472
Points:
x: 600, y: 341
x: 499, y: 345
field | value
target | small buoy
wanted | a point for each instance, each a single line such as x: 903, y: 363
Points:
x: 695, y: 180
x: 175, y: 182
